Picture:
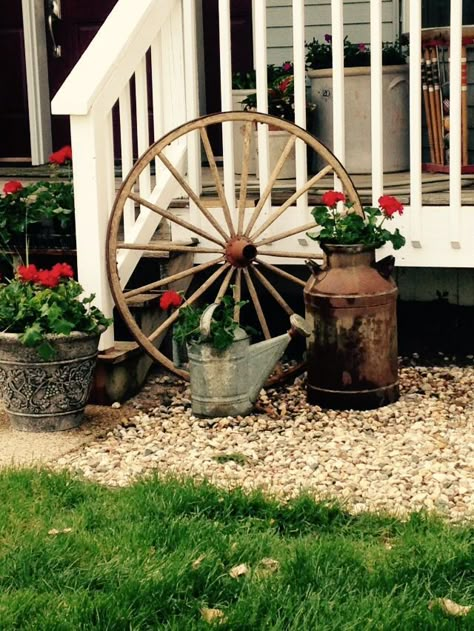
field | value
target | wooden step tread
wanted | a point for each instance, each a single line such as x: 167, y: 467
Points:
x: 119, y: 352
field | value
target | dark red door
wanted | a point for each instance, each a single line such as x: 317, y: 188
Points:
x: 80, y: 21
x: 14, y: 124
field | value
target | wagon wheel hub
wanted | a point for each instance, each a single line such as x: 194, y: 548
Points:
x: 240, y: 251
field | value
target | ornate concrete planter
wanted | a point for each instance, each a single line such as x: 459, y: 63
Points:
x: 47, y: 396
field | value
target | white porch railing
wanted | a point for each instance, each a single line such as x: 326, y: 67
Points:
x: 163, y: 33
x: 136, y: 33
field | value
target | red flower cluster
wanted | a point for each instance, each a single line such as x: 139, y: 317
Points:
x: 12, y: 187
x: 390, y: 205
x: 330, y: 198
x: 170, y: 299
x: 61, y: 156
x: 45, y: 277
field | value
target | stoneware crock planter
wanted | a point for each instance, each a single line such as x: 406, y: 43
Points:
x: 357, y: 116
x: 47, y: 395
x: 277, y: 141
x: 352, y: 353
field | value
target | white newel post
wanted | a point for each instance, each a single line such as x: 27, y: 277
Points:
x: 93, y: 198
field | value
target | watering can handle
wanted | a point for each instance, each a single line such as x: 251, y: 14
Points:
x: 206, y: 319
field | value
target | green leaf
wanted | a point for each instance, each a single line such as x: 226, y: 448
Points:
x: 32, y: 335
x: 46, y: 350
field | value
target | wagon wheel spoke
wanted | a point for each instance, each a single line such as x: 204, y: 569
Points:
x: 225, y: 285
x: 192, y: 195
x: 291, y: 200
x: 291, y: 255
x: 172, y: 217
x: 223, y: 252
x: 217, y: 180
x: 287, y: 233
x: 244, y: 176
x: 256, y: 304
x: 171, y: 279
x: 237, y: 294
x: 167, y: 247
x: 271, y: 183
x: 282, y: 273
x: 272, y: 291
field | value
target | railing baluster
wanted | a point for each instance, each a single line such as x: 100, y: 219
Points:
x: 226, y: 101
x: 455, y: 124
x: 376, y: 100
x: 260, y: 61
x: 337, y: 19
x: 300, y: 103
x: 416, y: 201
x: 192, y: 101
x: 143, y: 134
x: 157, y: 92
x: 126, y: 147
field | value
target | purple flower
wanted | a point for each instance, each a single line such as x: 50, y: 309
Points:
x: 328, y: 38
x: 362, y: 48
x: 287, y: 66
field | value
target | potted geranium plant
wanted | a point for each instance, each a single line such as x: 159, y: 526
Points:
x: 48, y: 346
x: 351, y: 300
x: 41, y: 214
x: 357, y: 88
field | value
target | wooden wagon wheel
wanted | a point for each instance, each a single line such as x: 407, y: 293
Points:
x: 237, y: 244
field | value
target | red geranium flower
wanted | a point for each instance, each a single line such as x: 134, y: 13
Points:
x: 12, y: 187
x: 390, y: 205
x: 170, y: 299
x: 63, y: 270
x: 48, y: 278
x: 61, y: 156
x: 330, y: 198
x: 28, y: 273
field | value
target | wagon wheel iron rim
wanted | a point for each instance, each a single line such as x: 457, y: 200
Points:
x: 239, y: 247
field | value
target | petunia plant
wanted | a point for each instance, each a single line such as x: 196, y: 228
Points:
x: 39, y: 302
x: 340, y: 225
x: 319, y: 54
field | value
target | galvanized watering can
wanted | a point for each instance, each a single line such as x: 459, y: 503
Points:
x: 227, y: 383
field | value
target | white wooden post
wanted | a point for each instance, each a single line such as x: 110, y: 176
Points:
x: 300, y: 104
x: 192, y: 99
x: 415, y: 126
x: 93, y: 197
x: 455, y: 124
x: 339, y: 126
x: 376, y: 103
x: 225, y: 50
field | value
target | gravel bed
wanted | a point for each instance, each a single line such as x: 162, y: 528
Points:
x: 415, y: 454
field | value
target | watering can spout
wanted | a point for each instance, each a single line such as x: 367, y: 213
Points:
x: 264, y: 355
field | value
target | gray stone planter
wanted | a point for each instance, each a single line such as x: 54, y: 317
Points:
x: 47, y: 396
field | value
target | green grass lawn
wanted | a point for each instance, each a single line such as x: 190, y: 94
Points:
x: 152, y: 556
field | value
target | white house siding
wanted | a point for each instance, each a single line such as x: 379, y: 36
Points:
x: 318, y: 23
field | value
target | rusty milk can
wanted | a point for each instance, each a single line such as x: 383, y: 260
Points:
x: 352, y: 353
